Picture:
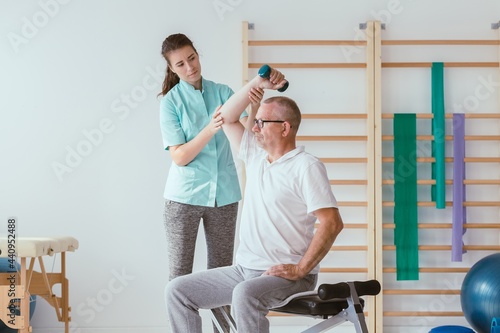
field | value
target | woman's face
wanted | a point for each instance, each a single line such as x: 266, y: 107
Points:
x: 186, y: 64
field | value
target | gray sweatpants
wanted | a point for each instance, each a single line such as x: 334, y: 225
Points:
x: 250, y: 294
x: 181, y: 226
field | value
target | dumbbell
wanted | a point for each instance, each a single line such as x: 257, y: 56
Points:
x: 265, y: 72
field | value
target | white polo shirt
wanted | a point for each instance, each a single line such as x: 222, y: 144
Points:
x: 277, y: 223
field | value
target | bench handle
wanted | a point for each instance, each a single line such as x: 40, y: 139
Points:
x: 342, y: 290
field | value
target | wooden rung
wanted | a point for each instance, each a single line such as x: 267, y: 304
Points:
x: 482, y: 182
x: 349, y: 248
x: 448, y: 225
x: 481, y: 203
x: 433, y: 270
x: 343, y: 270
x: 310, y: 65
x: 334, y: 116
x: 478, y: 137
x: 421, y: 292
x: 441, y: 42
x: 348, y: 182
x: 449, y: 204
x: 482, y: 225
x: 446, y: 64
x: 332, y: 138
x: 449, y: 115
x: 423, y: 314
x: 476, y: 115
x: 352, y: 203
x: 449, y: 137
x: 449, y: 182
x: 305, y: 42
x: 344, y: 159
x: 449, y: 159
x: 482, y: 247
x: 448, y: 247
x: 482, y: 159
x: 355, y: 225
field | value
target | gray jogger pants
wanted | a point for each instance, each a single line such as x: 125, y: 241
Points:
x: 250, y: 294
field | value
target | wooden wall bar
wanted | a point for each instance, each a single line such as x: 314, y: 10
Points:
x: 377, y: 226
x: 365, y: 158
x: 491, y: 225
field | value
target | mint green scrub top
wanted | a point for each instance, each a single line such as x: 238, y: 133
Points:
x: 210, y: 178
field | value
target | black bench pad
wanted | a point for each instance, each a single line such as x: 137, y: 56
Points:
x: 314, y: 306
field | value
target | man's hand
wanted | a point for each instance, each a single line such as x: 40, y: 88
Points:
x: 287, y: 271
x: 276, y: 80
x: 255, y: 95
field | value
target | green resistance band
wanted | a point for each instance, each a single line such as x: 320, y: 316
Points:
x: 405, y: 196
x: 438, y: 191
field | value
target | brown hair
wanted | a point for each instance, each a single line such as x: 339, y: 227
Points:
x: 172, y: 43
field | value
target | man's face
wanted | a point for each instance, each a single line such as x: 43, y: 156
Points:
x: 270, y: 134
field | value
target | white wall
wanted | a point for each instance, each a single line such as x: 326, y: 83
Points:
x: 71, y: 70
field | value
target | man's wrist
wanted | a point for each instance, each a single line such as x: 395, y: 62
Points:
x: 302, y: 271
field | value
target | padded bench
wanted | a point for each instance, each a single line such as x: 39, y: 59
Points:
x: 334, y: 303
x: 16, y: 288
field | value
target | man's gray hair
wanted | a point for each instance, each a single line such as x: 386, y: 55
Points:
x: 287, y: 110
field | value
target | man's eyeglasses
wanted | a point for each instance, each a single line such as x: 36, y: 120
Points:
x: 260, y: 122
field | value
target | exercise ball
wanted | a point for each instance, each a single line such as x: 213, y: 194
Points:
x: 5, y: 267
x: 451, y: 329
x: 480, y: 293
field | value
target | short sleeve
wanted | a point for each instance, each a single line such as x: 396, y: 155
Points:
x: 170, y: 125
x: 316, y: 188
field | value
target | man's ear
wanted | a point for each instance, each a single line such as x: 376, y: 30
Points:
x: 286, y: 129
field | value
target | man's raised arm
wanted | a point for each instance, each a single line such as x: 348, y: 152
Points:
x: 236, y: 104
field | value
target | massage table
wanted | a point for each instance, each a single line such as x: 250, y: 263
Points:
x: 17, y: 287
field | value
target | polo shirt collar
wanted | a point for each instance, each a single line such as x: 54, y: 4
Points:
x: 289, y: 155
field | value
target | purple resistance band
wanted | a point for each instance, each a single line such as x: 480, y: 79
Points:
x: 459, y: 213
